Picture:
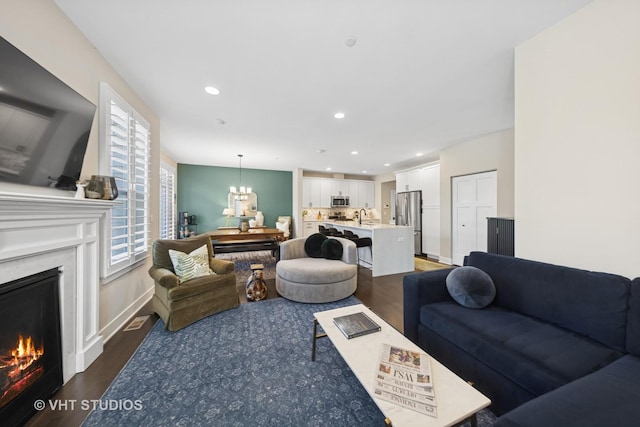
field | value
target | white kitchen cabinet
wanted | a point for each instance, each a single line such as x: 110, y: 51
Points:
x: 431, y: 231
x: 427, y: 180
x: 353, y: 191
x: 414, y: 179
x: 408, y: 181
x: 340, y: 187
x: 402, y: 182
x: 311, y: 193
x: 326, y: 186
x: 366, y: 194
x: 430, y: 185
x: 317, y: 192
x: 309, y: 228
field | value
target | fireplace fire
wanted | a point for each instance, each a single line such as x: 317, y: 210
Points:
x: 20, y: 369
x: 29, y: 313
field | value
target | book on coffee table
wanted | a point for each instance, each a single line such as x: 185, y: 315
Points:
x: 355, y: 325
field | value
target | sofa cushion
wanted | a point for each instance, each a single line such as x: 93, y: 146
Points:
x: 192, y: 265
x: 608, y: 397
x: 537, y: 356
x: 590, y: 303
x: 331, y: 249
x: 313, y: 245
x: 633, y: 327
x: 470, y: 287
x: 315, y: 270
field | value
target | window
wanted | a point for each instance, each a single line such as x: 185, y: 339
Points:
x: 125, y: 140
x: 167, y: 202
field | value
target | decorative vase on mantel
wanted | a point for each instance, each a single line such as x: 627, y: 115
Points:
x: 94, y: 189
x: 109, y: 186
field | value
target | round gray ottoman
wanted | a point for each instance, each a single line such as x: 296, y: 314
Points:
x: 315, y: 280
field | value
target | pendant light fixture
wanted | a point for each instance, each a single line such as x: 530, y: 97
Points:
x: 244, y: 192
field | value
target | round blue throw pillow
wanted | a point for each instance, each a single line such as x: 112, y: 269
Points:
x: 313, y: 245
x: 331, y: 249
x: 471, y: 287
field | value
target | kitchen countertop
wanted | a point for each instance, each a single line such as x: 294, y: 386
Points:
x: 391, y: 250
x: 365, y: 225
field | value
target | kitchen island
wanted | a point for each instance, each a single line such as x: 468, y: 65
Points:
x: 392, y: 246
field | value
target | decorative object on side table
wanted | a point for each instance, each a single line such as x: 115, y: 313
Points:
x: 256, y: 286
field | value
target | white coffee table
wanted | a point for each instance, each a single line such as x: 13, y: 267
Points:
x: 456, y: 400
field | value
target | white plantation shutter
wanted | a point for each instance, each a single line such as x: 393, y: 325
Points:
x: 140, y: 178
x: 125, y: 155
x: 167, y: 204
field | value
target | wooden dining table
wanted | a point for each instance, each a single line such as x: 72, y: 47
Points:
x: 234, y: 240
x: 227, y: 234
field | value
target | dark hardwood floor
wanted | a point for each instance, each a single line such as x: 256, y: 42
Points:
x: 382, y: 294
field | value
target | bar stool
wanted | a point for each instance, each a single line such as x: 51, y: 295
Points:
x: 363, y: 242
x: 349, y: 234
x: 334, y: 232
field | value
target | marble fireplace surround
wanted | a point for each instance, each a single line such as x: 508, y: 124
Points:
x: 40, y: 232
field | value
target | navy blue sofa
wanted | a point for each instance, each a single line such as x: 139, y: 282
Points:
x: 558, y: 346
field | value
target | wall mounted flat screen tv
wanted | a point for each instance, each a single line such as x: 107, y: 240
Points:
x: 44, y: 124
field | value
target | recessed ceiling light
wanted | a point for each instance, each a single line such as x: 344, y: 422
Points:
x: 387, y: 164
x: 364, y: 171
x: 339, y: 115
x: 351, y: 41
x: 212, y: 90
x: 354, y: 152
x: 328, y: 169
x: 418, y: 154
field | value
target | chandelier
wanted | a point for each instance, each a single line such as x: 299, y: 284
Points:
x: 244, y: 192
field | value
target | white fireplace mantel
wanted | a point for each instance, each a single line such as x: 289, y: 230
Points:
x: 40, y: 232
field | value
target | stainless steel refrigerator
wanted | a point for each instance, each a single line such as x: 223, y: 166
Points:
x: 409, y: 212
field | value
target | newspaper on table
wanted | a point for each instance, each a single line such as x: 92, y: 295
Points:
x: 404, y: 377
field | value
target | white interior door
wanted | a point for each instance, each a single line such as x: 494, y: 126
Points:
x: 474, y: 198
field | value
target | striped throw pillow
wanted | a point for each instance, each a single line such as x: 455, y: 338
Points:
x: 190, y: 266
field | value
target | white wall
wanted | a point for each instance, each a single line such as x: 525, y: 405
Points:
x: 43, y: 32
x: 577, y: 146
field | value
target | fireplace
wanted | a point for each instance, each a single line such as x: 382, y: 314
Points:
x: 39, y: 232
x: 30, y: 347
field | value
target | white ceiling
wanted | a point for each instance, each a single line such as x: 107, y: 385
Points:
x: 423, y: 75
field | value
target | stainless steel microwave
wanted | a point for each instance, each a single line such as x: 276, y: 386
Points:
x: 339, y: 201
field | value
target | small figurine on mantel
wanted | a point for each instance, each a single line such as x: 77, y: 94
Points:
x: 80, y: 185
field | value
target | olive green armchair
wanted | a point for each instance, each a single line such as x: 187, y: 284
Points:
x: 181, y: 304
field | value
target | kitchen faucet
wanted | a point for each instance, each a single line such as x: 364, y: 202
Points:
x: 360, y: 215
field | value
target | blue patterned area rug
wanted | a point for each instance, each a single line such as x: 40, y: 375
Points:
x: 249, y: 366
x: 243, y: 261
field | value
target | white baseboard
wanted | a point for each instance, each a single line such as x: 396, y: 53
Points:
x: 433, y: 256
x: 127, y: 314
x: 447, y: 261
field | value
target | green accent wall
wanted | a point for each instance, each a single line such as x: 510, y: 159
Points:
x: 203, y: 191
